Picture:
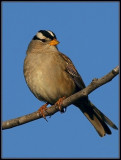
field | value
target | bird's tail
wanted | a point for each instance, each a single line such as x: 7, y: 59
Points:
x: 96, y: 117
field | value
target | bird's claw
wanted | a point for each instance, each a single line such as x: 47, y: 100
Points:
x: 43, y: 109
x: 59, y: 104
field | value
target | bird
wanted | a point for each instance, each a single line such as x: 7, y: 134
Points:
x: 51, y: 76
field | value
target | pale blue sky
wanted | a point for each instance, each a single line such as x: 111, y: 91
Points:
x: 89, y: 34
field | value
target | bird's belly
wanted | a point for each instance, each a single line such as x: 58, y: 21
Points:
x: 49, y: 83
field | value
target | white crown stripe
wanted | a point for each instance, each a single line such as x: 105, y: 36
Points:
x: 51, y: 33
x: 40, y: 35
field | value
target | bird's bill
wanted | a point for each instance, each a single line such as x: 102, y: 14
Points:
x: 54, y: 42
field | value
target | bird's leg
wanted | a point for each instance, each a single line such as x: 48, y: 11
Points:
x: 42, y: 109
x: 59, y: 103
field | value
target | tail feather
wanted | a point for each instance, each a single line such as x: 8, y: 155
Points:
x: 103, y: 117
x: 96, y: 117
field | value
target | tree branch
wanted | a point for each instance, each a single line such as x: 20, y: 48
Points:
x: 96, y: 83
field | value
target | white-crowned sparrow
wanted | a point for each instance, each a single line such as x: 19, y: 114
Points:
x: 51, y: 75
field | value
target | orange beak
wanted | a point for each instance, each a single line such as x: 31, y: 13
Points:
x: 54, y: 42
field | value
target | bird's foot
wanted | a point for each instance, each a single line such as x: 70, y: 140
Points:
x: 43, y: 109
x: 59, y: 104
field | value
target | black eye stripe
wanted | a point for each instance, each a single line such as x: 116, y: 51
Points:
x: 43, y: 40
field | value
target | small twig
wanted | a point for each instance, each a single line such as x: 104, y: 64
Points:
x: 96, y: 83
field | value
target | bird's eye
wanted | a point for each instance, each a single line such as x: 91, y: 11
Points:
x: 43, y: 40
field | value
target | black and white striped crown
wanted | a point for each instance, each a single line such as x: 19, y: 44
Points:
x: 44, y: 35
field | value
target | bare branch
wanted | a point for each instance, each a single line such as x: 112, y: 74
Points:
x: 96, y: 83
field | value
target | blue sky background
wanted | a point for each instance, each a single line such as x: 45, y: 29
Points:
x: 89, y: 34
